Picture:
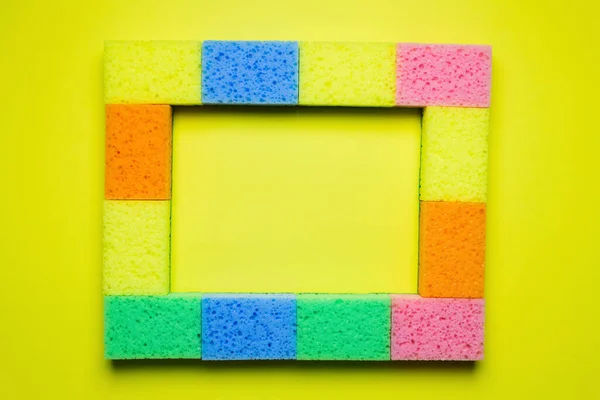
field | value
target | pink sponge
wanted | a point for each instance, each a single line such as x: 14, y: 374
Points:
x: 437, y: 328
x: 443, y: 75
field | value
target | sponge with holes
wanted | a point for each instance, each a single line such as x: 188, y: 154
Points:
x: 152, y: 72
x: 437, y: 329
x: 152, y: 326
x: 136, y: 247
x: 443, y: 75
x: 248, y: 327
x: 451, y: 249
x: 250, y: 72
x: 347, y: 74
x: 343, y: 327
x: 454, y: 154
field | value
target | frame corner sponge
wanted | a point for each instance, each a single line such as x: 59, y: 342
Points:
x: 443, y: 75
x: 343, y: 327
x: 437, y: 329
x: 454, y: 154
x: 152, y: 326
x: 249, y: 327
x: 152, y: 72
x: 250, y: 72
x: 347, y: 74
x: 136, y: 247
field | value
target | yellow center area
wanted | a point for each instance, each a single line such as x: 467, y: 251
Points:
x: 295, y: 200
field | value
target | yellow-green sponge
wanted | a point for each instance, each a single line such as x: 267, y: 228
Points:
x: 347, y: 74
x: 454, y: 154
x: 136, y: 247
x: 152, y: 72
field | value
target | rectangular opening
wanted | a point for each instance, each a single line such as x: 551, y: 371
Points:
x: 296, y: 199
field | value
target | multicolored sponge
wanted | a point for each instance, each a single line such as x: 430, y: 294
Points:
x: 250, y: 73
x: 248, y: 327
x: 451, y: 249
x: 136, y: 247
x: 443, y: 75
x: 454, y: 154
x: 437, y: 329
x: 152, y: 72
x: 152, y: 326
x: 138, y: 152
x: 343, y: 327
x: 347, y: 74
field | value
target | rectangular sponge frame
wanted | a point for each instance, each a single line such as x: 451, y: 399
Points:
x: 152, y: 72
x: 136, y: 247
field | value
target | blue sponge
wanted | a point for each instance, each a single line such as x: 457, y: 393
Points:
x: 250, y: 73
x: 248, y: 327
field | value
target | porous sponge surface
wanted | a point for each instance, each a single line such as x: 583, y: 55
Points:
x: 452, y: 249
x: 250, y: 72
x: 343, y: 327
x: 443, y: 75
x: 138, y: 152
x: 454, y: 154
x: 152, y: 326
x: 437, y: 329
x: 152, y: 72
x: 347, y: 74
x: 136, y: 247
x: 248, y: 326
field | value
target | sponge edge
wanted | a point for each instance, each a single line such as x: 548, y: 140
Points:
x: 454, y: 154
x: 343, y: 327
x: 443, y: 75
x: 437, y: 329
x: 452, y: 249
x: 136, y: 247
x: 152, y: 326
x: 152, y: 72
x: 347, y: 74
x: 249, y: 326
x: 250, y: 72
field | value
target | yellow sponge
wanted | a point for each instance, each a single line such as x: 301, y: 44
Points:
x: 454, y: 154
x: 152, y: 72
x: 136, y: 247
x: 347, y: 74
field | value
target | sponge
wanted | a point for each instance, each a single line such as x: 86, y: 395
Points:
x: 347, y: 74
x: 443, y: 75
x: 248, y: 327
x: 454, y: 154
x: 343, y: 327
x: 138, y: 152
x: 152, y: 72
x: 451, y: 249
x: 250, y: 72
x: 437, y: 329
x: 152, y: 326
x: 136, y: 247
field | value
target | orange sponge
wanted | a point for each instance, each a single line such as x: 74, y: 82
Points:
x: 138, y: 152
x: 451, y: 249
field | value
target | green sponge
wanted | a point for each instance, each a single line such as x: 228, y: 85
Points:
x: 152, y: 326
x: 343, y: 327
x: 136, y: 247
x: 347, y: 74
x: 454, y: 154
x: 152, y: 72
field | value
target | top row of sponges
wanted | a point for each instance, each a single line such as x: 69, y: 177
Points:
x: 297, y: 73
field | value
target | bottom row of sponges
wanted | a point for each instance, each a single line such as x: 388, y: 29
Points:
x: 289, y: 326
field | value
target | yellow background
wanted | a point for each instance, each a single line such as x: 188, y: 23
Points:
x: 542, y: 270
